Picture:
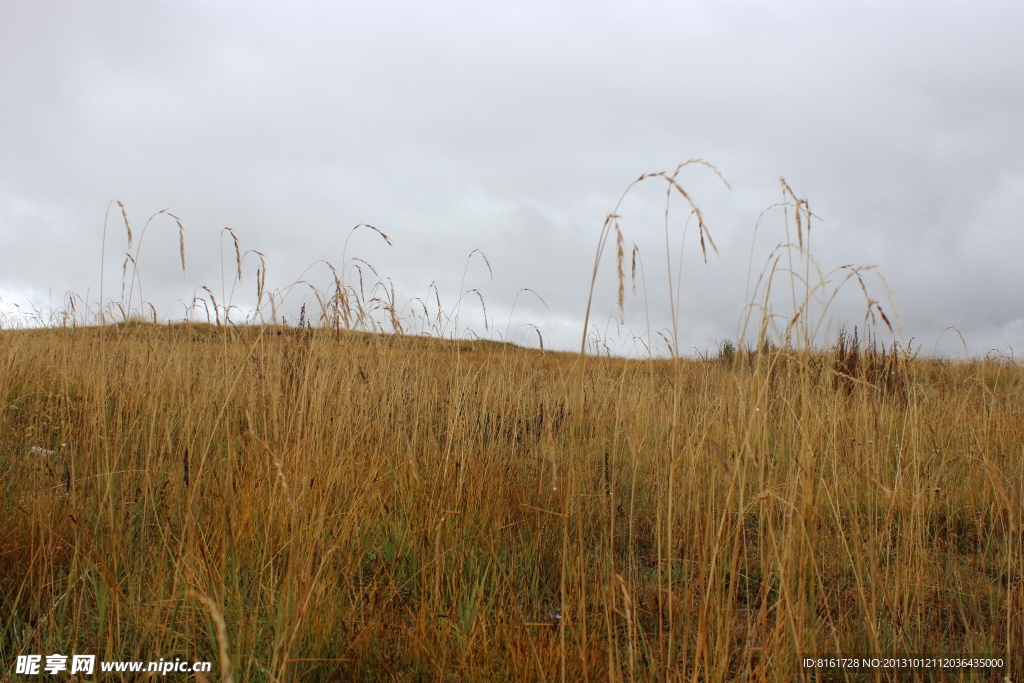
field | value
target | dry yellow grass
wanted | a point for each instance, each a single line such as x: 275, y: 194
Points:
x: 371, y: 507
x: 332, y: 503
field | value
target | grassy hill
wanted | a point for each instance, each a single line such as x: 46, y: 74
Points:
x: 305, y: 505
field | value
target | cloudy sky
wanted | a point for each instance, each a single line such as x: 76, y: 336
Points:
x: 514, y: 128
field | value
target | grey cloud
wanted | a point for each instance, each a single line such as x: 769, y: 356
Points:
x: 514, y: 128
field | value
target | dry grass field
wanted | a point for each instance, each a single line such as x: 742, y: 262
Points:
x: 326, y: 502
x: 311, y: 505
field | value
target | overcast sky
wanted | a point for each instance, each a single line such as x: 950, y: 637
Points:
x: 514, y: 128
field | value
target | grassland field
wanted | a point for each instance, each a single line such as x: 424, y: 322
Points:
x: 320, y: 505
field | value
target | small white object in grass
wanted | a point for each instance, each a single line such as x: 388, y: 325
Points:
x: 39, y: 451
